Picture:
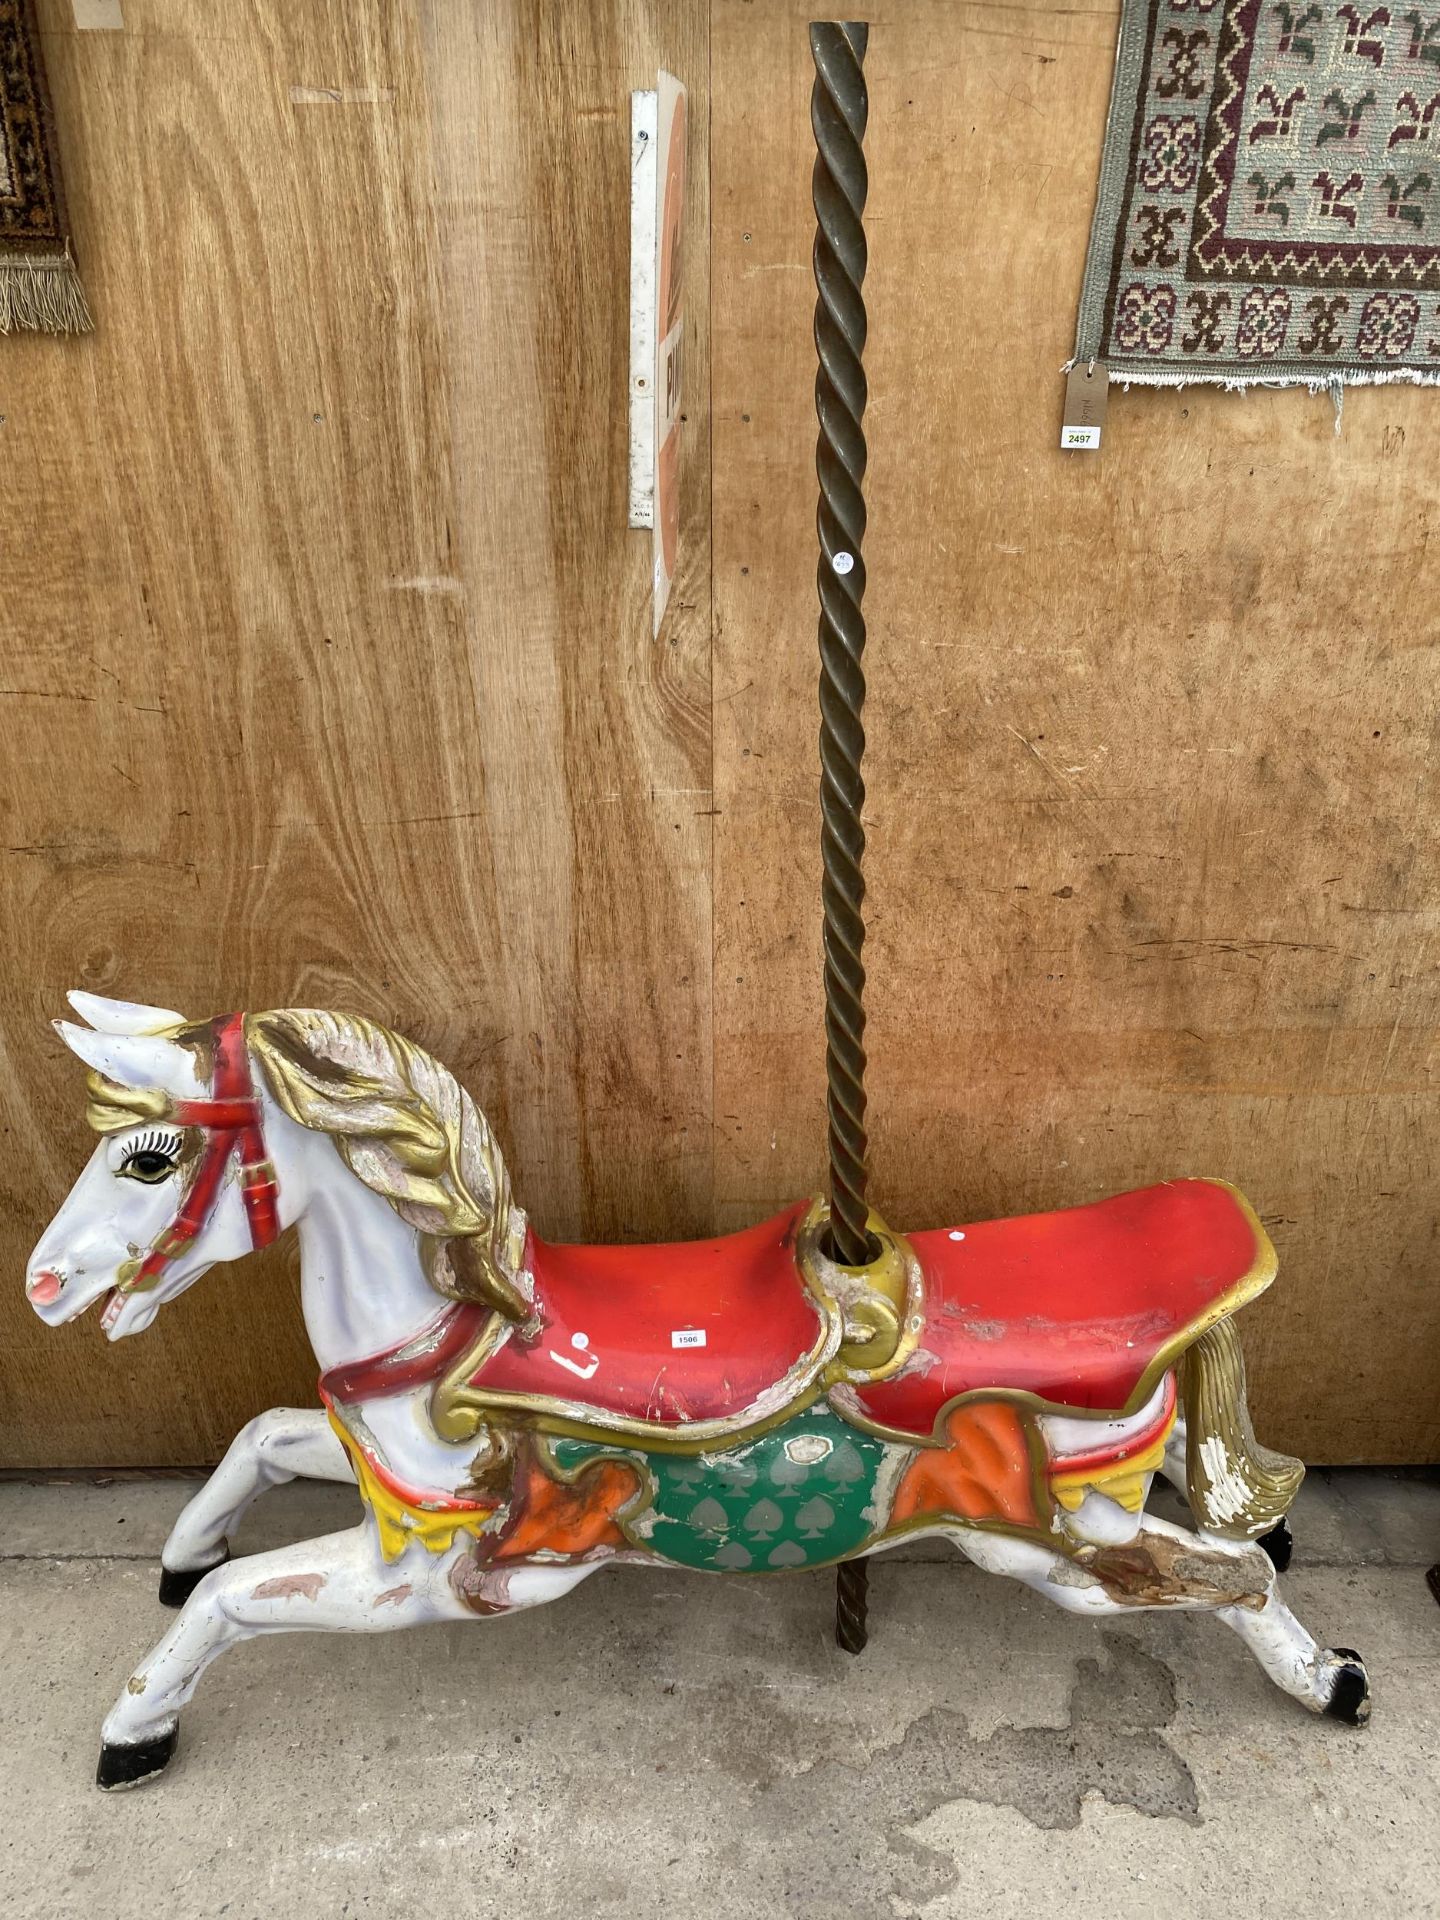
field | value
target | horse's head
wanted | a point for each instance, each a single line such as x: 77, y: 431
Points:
x: 206, y: 1152
x: 180, y: 1179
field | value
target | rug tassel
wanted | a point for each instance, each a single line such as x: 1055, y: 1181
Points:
x: 42, y: 296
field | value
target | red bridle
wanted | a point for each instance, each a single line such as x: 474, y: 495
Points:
x: 231, y: 1122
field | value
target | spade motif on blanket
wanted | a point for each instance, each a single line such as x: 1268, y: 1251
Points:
x: 801, y: 1496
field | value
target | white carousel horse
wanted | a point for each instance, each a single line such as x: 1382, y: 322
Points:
x: 517, y: 1415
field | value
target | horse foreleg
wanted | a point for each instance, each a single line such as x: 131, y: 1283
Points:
x: 338, y: 1583
x: 287, y: 1443
x: 1167, y: 1567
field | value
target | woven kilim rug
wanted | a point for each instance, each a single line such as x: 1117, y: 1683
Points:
x: 39, y: 286
x: 1269, y: 205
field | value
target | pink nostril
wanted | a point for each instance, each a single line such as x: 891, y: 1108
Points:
x: 45, y: 1289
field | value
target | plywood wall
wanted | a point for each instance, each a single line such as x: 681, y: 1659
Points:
x: 1152, y: 791
x: 326, y: 675
x: 327, y: 660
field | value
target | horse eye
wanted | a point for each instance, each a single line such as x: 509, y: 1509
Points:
x: 148, y: 1165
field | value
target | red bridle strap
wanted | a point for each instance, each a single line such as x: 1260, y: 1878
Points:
x: 231, y: 1122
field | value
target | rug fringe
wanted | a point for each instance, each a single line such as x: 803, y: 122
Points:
x: 1333, y: 383
x: 42, y: 296
x: 1318, y: 382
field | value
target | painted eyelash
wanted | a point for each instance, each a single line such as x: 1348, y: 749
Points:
x: 156, y: 1142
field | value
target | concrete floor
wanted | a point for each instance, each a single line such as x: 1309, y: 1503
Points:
x: 667, y: 1744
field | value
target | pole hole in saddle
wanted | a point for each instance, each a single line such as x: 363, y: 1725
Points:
x: 874, y: 1251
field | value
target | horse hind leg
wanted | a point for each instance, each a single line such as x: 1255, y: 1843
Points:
x: 1166, y: 1567
x: 1236, y: 1580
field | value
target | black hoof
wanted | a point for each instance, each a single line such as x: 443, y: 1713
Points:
x: 1279, y: 1543
x: 1350, y: 1697
x: 122, y: 1765
x: 1432, y: 1579
x: 177, y: 1587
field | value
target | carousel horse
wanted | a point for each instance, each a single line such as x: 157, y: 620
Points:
x: 517, y: 1415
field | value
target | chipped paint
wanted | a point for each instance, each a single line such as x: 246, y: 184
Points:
x: 1228, y: 1494
x: 288, y: 1586
x: 1164, y: 1569
x: 392, y: 1596
x: 484, y: 1590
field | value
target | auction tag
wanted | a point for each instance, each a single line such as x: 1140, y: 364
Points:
x: 688, y: 1337
x: 1087, y: 389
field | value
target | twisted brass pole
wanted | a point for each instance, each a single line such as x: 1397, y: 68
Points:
x: 839, y: 107
x: 852, y: 1589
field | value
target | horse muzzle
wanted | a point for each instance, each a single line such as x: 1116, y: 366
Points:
x: 59, y: 1297
x: 45, y: 1288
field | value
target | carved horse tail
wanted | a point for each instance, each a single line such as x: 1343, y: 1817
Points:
x: 1236, y: 1487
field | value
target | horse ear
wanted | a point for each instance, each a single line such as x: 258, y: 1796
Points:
x: 135, y: 1060
x: 122, y: 1016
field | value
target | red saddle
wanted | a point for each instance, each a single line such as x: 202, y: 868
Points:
x: 1083, y: 1308
x: 669, y: 1334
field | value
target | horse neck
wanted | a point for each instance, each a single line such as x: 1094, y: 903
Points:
x: 362, y: 1287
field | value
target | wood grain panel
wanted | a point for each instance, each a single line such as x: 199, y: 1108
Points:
x: 1152, y: 861
x: 327, y: 675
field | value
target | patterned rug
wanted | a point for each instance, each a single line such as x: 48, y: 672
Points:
x: 39, y: 286
x: 1269, y: 205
